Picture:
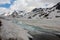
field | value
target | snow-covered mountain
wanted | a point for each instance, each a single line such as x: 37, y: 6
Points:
x: 52, y: 12
x: 48, y: 13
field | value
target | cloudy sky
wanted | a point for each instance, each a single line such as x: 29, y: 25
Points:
x: 27, y: 5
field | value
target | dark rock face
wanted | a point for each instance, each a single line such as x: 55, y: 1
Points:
x: 0, y: 38
x: 34, y: 15
x: 0, y: 23
x: 12, y: 39
x: 0, y: 29
x: 45, y: 36
x: 57, y: 16
x: 30, y: 38
x: 34, y: 9
x: 14, y: 14
x: 29, y: 17
x: 37, y: 9
x: 58, y: 6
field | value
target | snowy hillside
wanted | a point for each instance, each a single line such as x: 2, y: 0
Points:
x: 37, y: 13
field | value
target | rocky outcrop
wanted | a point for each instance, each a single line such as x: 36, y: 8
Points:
x: 58, y: 6
x: 45, y: 36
